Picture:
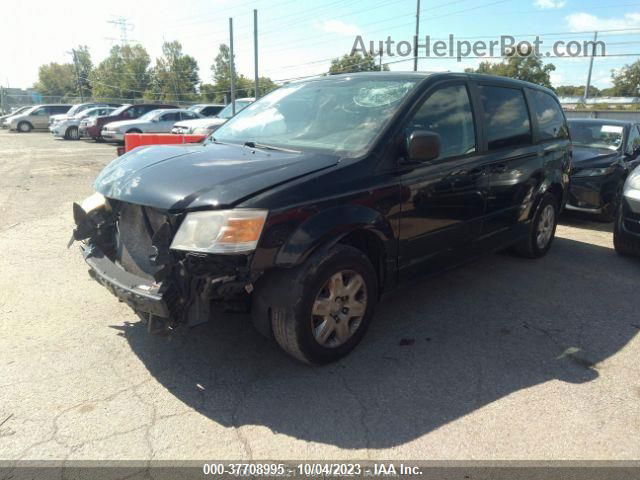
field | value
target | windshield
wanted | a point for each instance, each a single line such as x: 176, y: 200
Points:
x: 596, y: 135
x: 338, y: 115
x: 119, y: 110
x: 147, y: 117
x: 73, y: 110
x: 227, y: 112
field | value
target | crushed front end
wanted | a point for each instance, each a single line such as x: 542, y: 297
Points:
x: 127, y: 248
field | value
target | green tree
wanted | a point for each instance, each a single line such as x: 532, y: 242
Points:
x: 576, y: 91
x: 84, y: 67
x: 220, y: 91
x: 356, y: 63
x: 626, y: 82
x: 530, y: 69
x: 123, y: 74
x: 56, y: 79
x: 175, y: 75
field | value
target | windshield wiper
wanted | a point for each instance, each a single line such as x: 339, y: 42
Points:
x: 262, y: 146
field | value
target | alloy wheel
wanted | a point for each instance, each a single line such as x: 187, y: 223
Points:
x: 546, y: 224
x: 338, y: 309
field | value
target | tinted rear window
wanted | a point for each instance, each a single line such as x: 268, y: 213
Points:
x: 551, y: 122
x: 506, y: 117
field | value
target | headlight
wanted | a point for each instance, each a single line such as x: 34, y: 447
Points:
x: 91, y: 122
x: 202, y: 131
x: 222, y: 231
x: 93, y: 202
x: 595, y: 172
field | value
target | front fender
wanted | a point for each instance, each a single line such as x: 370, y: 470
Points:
x: 328, y: 227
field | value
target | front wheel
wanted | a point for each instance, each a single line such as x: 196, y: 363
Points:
x: 542, y: 230
x: 72, y: 133
x: 623, y: 243
x: 325, y: 305
x: 24, y: 127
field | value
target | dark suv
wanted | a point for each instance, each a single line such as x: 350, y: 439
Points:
x: 313, y: 201
x: 93, y: 127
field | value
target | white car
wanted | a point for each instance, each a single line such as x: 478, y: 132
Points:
x: 156, y: 121
x: 206, y: 126
x: 69, y: 127
x: 77, y: 109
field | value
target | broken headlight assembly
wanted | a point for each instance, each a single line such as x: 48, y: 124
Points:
x: 94, y: 201
x: 220, y: 231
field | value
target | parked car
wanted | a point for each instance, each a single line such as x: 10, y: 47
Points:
x: 69, y: 127
x: 604, y: 152
x: 156, y: 121
x: 324, y: 194
x: 207, y: 109
x: 77, y: 108
x: 206, y: 126
x: 93, y: 128
x: 16, y: 111
x: 626, y: 234
x: 35, y: 117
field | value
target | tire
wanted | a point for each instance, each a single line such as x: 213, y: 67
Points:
x: 311, y: 288
x: 72, y: 133
x: 624, y: 245
x: 530, y: 247
x: 24, y: 127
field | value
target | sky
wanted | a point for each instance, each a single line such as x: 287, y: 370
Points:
x: 299, y: 37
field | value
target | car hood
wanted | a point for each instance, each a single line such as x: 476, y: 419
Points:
x: 177, y: 178
x: 201, y: 122
x: 586, y: 157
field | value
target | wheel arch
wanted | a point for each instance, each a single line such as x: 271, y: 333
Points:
x: 24, y: 121
x: 356, y: 225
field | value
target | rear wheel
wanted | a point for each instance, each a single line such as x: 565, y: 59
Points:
x: 321, y: 310
x: 25, y: 127
x: 72, y: 133
x: 541, y: 231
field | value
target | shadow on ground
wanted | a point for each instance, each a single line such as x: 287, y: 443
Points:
x: 438, y: 350
x: 585, y: 222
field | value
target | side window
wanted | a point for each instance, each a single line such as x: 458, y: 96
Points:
x: 188, y: 116
x: 550, y: 119
x: 170, y: 117
x: 506, y: 117
x: 447, y: 112
x: 60, y: 109
x: 40, y: 112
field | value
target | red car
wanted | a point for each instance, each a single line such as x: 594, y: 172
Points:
x: 91, y: 127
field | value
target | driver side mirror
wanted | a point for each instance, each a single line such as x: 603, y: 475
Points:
x: 423, y: 146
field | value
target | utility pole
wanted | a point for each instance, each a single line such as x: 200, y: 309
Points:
x: 593, y: 54
x: 415, y: 43
x: 255, y: 54
x: 232, y: 69
x: 75, y: 66
x: 381, y: 59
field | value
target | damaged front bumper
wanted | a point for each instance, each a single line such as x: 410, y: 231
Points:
x: 137, y: 292
x: 183, y: 285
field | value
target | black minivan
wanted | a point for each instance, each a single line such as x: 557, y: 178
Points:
x: 315, y: 200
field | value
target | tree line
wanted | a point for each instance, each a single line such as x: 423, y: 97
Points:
x: 128, y: 73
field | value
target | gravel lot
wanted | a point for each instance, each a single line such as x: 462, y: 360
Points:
x: 503, y: 359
